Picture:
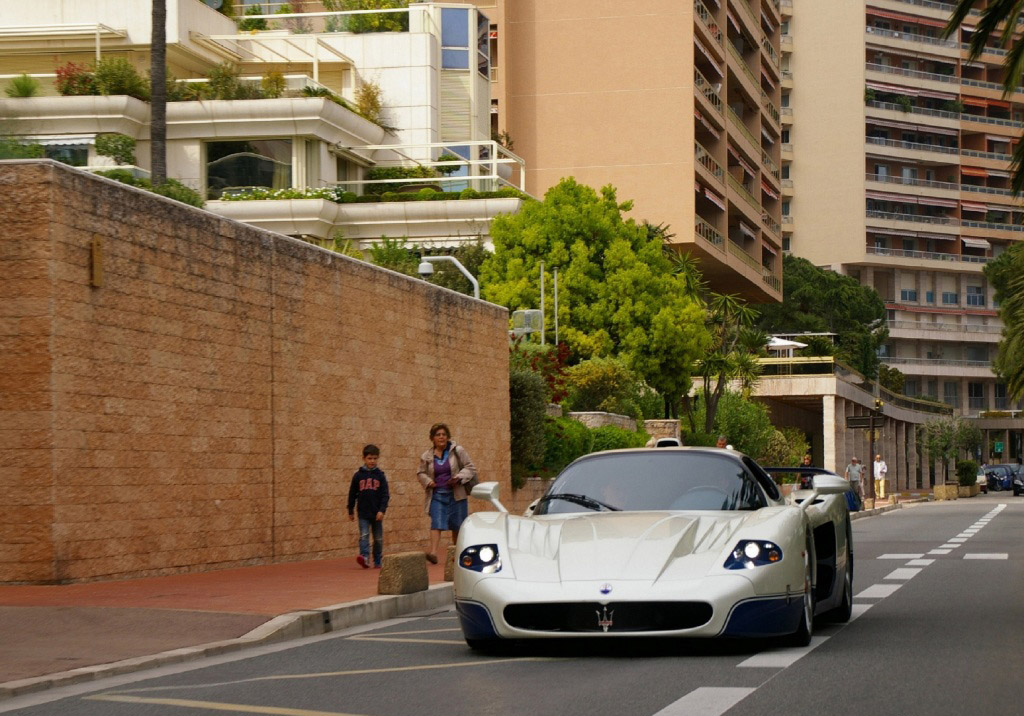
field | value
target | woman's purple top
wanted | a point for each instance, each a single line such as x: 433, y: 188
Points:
x: 442, y: 472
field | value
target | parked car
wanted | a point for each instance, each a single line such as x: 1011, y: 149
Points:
x: 982, y: 480
x: 668, y: 442
x: 1000, y: 477
x: 1011, y: 476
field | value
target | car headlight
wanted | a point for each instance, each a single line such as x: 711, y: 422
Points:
x: 481, y: 558
x: 753, y: 553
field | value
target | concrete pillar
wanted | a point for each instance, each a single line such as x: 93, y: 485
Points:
x: 913, y: 480
x: 984, y: 446
x: 829, y: 429
x: 900, y: 476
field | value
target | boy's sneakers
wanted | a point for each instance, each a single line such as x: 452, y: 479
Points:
x: 362, y: 562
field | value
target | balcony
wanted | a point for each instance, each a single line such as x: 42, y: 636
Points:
x: 995, y: 87
x: 710, y: 234
x: 707, y: 90
x: 913, y: 218
x: 746, y: 258
x: 930, y: 76
x: 707, y: 20
x: 928, y: 256
x: 770, y: 108
x: 993, y: 156
x: 754, y: 147
x: 766, y: 45
x: 986, y: 190
x: 771, y: 280
x: 772, y: 167
x: 943, y: 366
x: 908, y: 37
x: 947, y: 331
x: 753, y: 86
x: 771, y: 224
x: 991, y: 226
x: 705, y: 160
x: 748, y: 18
x: 907, y: 181
x: 736, y: 186
x: 913, y: 146
x: 889, y: 106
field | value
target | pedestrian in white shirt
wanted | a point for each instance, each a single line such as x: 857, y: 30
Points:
x: 880, y: 470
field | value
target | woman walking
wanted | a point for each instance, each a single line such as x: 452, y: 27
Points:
x: 444, y: 471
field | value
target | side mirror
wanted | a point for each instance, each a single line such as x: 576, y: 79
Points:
x: 488, y: 491
x: 830, y: 485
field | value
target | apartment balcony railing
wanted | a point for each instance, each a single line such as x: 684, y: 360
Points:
x: 916, y: 218
x: 742, y: 191
x: 913, y: 110
x: 772, y: 110
x: 773, y: 169
x: 787, y: 147
x: 787, y: 183
x: 708, y: 162
x: 890, y: 70
x: 710, y: 234
x: 745, y: 257
x: 766, y: 45
x: 927, y: 255
x: 771, y: 224
x: 700, y: 82
x: 738, y: 121
x: 787, y: 74
x: 907, y: 181
x: 770, y: 279
x: 945, y: 327
x: 991, y: 225
x: 939, y: 362
x: 986, y: 190
x: 787, y: 219
x: 707, y: 20
x: 743, y: 63
x: 987, y: 85
x: 909, y: 37
x: 944, y: 6
x: 917, y: 146
x: 967, y: 117
x: 786, y: 111
x: 988, y: 48
x: 749, y: 14
x: 986, y: 155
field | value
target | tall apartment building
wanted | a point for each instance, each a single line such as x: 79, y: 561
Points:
x: 600, y: 90
x: 896, y: 165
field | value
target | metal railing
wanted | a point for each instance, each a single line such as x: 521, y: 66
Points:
x: 991, y: 225
x: 771, y: 224
x: 705, y: 159
x: 987, y: 85
x: 787, y: 183
x: 710, y: 234
x: 742, y: 191
x: 989, y: 49
x: 909, y: 37
x: 890, y: 70
x: 787, y: 219
x: 916, y: 146
x: 986, y: 190
x: 707, y: 20
x: 986, y: 155
x: 939, y: 361
x: 926, y: 255
x: 916, y: 218
x: 945, y: 327
x: 912, y: 110
x: 773, y: 169
x: 738, y: 121
x: 700, y: 82
x: 743, y: 63
x: 772, y: 110
x: 766, y: 45
x: 907, y: 181
x: 787, y: 74
x: 1002, y: 122
x: 744, y: 257
x: 770, y: 279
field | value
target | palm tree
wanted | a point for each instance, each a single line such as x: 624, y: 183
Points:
x: 999, y: 19
x: 158, y: 94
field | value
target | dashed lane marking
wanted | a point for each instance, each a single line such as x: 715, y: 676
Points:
x: 940, y: 551
x: 956, y: 540
x: 214, y: 706
x: 980, y: 555
x: 878, y: 591
x: 858, y: 610
x: 949, y: 545
x: 903, y: 573
x: 406, y: 640
x: 707, y: 701
x: 920, y: 562
x: 902, y: 556
x: 782, y: 658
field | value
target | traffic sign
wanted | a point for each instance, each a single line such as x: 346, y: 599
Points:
x: 859, y: 421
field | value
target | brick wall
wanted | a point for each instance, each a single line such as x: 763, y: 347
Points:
x: 206, y: 406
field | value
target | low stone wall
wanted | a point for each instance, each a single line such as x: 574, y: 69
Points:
x: 534, y: 488
x: 662, y: 428
x: 949, y: 491
x: 594, y: 420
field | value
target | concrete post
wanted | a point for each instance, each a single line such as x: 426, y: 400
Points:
x: 912, y: 478
x: 829, y: 426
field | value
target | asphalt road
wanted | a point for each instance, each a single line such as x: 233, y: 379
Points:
x: 938, y: 629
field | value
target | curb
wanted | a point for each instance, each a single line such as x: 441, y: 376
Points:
x: 887, y: 508
x: 293, y: 625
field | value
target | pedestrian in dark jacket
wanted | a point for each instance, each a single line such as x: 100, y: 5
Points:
x: 370, y: 490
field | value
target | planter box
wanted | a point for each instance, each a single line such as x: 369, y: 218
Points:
x: 968, y: 490
x: 946, y: 492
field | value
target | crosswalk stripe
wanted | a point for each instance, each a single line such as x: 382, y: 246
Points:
x: 878, y: 591
x: 782, y: 658
x: 980, y: 555
x: 707, y: 701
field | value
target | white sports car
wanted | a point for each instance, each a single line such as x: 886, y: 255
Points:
x: 688, y: 542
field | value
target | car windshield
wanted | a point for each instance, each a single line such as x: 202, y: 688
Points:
x: 653, y: 480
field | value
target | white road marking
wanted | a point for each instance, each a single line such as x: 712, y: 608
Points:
x: 782, y: 658
x: 954, y: 540
x: 981, y: 555
x: 903, y: 573
x: 707, y: 701
x: 878, y: 591
x: 901, y: 556
x: 858, y: 610
x: 940, y: 551
x: 920, y: 562
x: 968, y: 533
x: 949, y: 545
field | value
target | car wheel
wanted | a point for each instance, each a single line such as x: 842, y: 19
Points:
x: 802, y: 635
x: 844, y: 611
x: 487, y: 646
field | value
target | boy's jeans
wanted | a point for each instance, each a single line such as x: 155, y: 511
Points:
x: 365, y: 526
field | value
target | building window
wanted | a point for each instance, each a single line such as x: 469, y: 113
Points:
x: 785, y: 208
x: 786, y: 244
x: 999, y: 396
x: 909, y: 245
x: 975, y: 296
x: 912, y: 388
x: 908, y: 294
x: 951, y: 394
x: 950, y: 297
x: 76, y: 155
x: 255, y: 162
x: 977, y: 354
x: 483, y: 46
x: 976, y: 396
x: 454, y: 38
x: 929, y: 296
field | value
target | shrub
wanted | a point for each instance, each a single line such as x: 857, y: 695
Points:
x: 602, y: 384
x: 272, y: 84
x: 117, y: 76
x: 119, y: 147
x: 415, y: 172
x: 384, y: 22
x: 369, y: 101
x: 967, y: 472
x: 172, y: 188
x: 451, y: 169
x: 610, y: 437
x: 904, y: 103
x: 22, y: 86
x: 565, y: 440
x: 326, y: 93
x: 528, y: 406
x: 13, y: 149
x: 250, y: 24
x: 548, y: 361
x: 75, y: 80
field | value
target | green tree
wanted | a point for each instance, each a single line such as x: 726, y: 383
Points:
x: 618, y: 294
x: 998, y: 20
x: 1006, y: 274
x: 373, y: 22
x: 816, y: 300
x: 947, y: 437
x: 744, y: 422
x: 891, y: 379
x: 605, y: 384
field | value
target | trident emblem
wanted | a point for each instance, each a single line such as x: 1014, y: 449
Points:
x: 604, y: 618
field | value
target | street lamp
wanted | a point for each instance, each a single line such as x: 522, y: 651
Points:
x: 426, y: 269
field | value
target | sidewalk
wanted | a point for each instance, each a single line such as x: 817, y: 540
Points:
x: 53, y: 630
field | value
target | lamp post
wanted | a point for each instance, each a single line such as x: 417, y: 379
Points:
x: 426, y: 269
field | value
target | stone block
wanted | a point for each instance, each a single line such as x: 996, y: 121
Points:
x: 449, y: 564
x: 403, y: 573
x: 946, y: 492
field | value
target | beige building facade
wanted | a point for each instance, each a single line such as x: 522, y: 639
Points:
x: 896, y: 172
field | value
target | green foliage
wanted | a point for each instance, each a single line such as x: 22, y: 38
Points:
x: 607, y: 384
x: 819, y: 301
x: 1006, y: 274
x: 904, y: 103
x: 13, y: 149
x: 251, y: 24
x: 272, y: 84
x: 117, y: 76
x: 22, y: 86
x: 610, y: 437
x: 119, y: 147
x: 395, y: 254
x: 451, y: 168
x: 346, y: 197
x: 891, y: 379
x: 504, y: 139
x: 785, y: 447
x: 547, y: 361
x: 528, y: 407
x: 324, y: 92
x: 172, y: 188
x: 413, y: 172
x: 75, y: 80
x: 471, y: 255
x: 744, y: 422
x: 565, y: 440
x: 225, y: 84
x: 967, y: 472
x: 817, y: 346
x: 869, y: 95
x: 383, y: 22
x: 369, y: 101
x: 618, y: 295
x: 947, y: 437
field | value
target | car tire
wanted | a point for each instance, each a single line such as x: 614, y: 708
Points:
x: 802, y: 635
x: 487, y: 646
x: 844, y: 611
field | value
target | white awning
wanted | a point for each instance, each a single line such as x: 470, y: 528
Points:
x: 977, y: 243
x: 714, y: 198
x: 747, y: 230
x: 777, y: 343
x: 63, y: 140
